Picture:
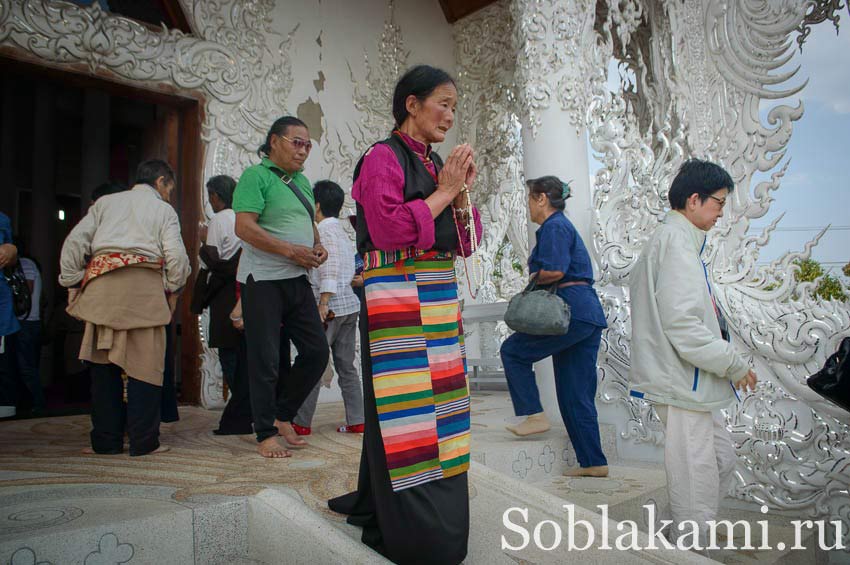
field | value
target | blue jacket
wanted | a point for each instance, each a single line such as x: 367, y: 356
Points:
x: 8, y: 322
x: 560, y: 248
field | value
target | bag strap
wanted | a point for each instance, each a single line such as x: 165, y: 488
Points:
x: 532, y: 285
x: 287, y: 180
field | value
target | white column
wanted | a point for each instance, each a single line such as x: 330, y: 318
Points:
x: 558, y: 150
x: 549, y: 37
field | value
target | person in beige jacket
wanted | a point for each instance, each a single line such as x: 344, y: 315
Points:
x: 681, y: 358
x: 124, y: 264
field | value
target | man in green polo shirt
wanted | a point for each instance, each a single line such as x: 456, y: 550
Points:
x: 274, y: 218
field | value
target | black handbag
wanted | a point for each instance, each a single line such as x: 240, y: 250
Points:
x: 21, y: 296
x: 538, y: 311
x: 833, y: 381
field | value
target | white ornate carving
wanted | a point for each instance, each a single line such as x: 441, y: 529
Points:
x: 373, y: 97
x: 550, y: 37
x: 226, y: 59
x: 488, y: 120
x: 793, y: 446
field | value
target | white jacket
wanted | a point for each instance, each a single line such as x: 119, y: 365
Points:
x: 134, y: 221
x: 677, y: 354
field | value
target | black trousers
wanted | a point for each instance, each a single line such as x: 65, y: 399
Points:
x: 236, y: 419
x: 168, y: 411
x: 110, y: 416
x: 266, y: 305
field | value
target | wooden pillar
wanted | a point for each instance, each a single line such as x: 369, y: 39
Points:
x: 8, y: 188
x: 44, y: 207
x: 95, y: 149
x: 190, y: 178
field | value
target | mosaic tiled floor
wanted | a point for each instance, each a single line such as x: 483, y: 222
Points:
x: 48, y: 452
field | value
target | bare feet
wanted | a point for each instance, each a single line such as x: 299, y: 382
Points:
x: 284, y: 429
x: 599, y: 471
x: 160, y: 449
x: 88, y: 451
x: 271, y: 448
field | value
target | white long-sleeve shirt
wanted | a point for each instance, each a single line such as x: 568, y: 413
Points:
x: 335, y: 274
x: 134, y: 221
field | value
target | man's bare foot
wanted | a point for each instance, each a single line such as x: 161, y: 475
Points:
x: 271, y: 448
x: 160, y: 449
x: 284, y: 430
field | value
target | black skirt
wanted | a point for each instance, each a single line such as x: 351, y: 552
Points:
x: 424, y: 524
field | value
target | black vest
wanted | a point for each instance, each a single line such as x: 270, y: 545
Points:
x: 418, y: 185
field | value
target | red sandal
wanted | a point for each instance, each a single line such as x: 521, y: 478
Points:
x: 301, y: 430
x: 355, y: 429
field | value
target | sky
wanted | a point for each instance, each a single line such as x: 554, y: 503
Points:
x: 816, y: 188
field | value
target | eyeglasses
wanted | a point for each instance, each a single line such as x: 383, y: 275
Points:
x: 299, y: 143
x: 721, y: 201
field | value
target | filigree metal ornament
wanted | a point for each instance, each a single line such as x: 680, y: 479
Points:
x: 792, y: 446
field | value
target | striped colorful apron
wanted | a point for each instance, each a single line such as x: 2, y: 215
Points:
x: 418, y: 365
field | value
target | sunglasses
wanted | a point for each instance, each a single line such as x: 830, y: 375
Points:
x: 299, y: 143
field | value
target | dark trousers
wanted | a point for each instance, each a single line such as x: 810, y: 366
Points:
x: 236, y: 417
x: 168, y: 410
x: 110, y: 416
x: 27, y: 346
x: 574, y: 360
x: 8, y: 380
x: 265, y: 306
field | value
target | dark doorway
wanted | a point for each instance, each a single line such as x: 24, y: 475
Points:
x: 62, y: 135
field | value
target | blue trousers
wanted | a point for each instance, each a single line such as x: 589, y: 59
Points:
x: 574, y: 360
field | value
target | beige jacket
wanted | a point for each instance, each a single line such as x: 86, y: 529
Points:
x: 677, y: 354
x: 134, y: 221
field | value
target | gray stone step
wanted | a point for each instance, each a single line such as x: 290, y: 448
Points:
x: 539, y: 462
x: 139, y: 524
x: 532, y: 458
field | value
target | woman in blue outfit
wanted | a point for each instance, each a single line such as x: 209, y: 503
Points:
x: 560, y: 258
x: 8, y: 322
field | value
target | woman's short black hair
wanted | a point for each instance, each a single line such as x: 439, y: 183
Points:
x: 330, y: 197
x: 223, y: 186
x: 700, y: 177
x: 152, y: 169
x: 279, y: 127
x: 554, y: 188
x: 110, y: 187
x: 420, y: 81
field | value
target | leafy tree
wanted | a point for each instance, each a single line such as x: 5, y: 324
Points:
x: 829, y: 287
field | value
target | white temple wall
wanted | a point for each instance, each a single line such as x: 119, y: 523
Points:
x: 332, y: 37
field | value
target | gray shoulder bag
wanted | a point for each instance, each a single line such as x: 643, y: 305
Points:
x: 538, y: 311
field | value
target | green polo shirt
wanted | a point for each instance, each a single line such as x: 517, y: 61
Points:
x: 281, y: 214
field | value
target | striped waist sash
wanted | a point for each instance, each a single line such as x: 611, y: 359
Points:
x: 418, y: 366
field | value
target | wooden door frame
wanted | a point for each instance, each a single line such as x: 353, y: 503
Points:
x: 190, y: 171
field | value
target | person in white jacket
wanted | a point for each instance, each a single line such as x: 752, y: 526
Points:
x: 681, y: 359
